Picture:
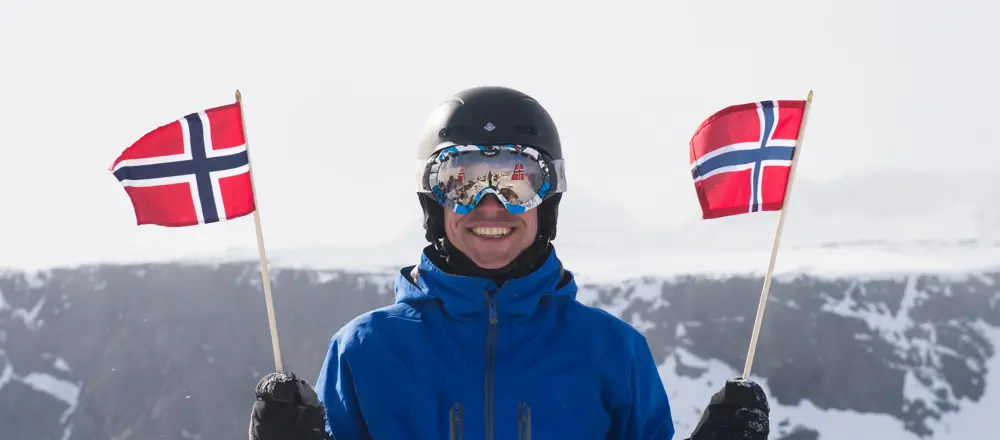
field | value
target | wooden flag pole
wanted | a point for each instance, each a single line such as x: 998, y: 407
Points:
x: 260, y: 249
x: 777, y: 240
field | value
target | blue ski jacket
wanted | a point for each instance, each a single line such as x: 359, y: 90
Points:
x: 460, y: 358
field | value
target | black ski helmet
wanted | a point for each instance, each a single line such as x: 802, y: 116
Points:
x: 490, y: 115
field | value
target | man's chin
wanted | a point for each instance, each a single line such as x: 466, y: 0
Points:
x: 491, y: 259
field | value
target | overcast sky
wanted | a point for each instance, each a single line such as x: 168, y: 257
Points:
x: 905, y: 84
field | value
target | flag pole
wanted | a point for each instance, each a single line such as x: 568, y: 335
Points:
x: 777, y: 240
x: 260, y: 249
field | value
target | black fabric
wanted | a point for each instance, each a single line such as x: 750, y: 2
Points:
x: 548, y: 216
x: 433, y: 218
x: 738, y: 411
x: 287, y: 408
x: 453, y: 261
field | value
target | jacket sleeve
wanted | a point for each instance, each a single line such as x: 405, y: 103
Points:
x: 648, y: 415
x: 336, y: 390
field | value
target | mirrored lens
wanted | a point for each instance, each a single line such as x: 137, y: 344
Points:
x: 516, y: 177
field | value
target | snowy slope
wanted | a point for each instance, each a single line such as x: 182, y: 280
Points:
x: 886, y: 207
x: 108, y: 351
x: 970, y: 421
x: 889, y: 222
x: 925, y: 365
x: 51, y: 382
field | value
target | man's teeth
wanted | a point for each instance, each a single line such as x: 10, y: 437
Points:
x: 491, y: 232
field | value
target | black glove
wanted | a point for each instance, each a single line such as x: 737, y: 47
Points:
x: 738, y: 411
x: 287, y: 408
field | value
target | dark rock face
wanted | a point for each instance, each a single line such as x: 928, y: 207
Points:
x: 173, y: 351
x: 859, y: 345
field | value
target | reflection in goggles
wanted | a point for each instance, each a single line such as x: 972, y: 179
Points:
x: 460, y: 175
x: 462, y: 178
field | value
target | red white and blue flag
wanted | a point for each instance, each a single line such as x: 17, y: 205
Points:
x: 192, y: 171
x: 741, y: 157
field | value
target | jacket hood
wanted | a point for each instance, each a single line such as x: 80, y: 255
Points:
x: 470, y: 296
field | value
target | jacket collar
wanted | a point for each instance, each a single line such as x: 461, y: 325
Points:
x: 472, y: 296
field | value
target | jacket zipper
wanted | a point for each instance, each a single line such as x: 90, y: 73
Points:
x: 490, y: 366
x: 455, y: 431
x: 523, y: 421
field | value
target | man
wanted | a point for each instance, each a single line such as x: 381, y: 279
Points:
x: 486, y: 339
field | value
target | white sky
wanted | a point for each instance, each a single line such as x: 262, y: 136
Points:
x: 906, y: 84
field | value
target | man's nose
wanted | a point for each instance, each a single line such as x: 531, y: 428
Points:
x: 490, y: 204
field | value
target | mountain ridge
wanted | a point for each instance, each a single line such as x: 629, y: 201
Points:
x: 906, y: 356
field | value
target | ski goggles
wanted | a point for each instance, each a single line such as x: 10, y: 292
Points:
x: 521, y: 177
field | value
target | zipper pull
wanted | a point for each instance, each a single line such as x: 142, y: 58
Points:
x: 524, y: 421
x: 455, y: 431
x: 493, y: 305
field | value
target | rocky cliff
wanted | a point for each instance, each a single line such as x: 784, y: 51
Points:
x: 172, y: 351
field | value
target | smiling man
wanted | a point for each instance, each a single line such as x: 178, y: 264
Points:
x: 486, y: 339
x: 489, y: 235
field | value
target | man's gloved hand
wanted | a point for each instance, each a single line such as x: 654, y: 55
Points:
x: 287, y: 408
x: 738, y: 411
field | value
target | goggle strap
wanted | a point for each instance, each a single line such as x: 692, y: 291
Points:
x: 558, y: 168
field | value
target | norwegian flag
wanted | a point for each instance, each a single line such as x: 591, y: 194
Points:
x: 741, y: 157
x: 518, y: 173
x: 192, y: 171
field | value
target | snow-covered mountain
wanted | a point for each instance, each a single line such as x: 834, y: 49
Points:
x: 883, y: 320
x: 173, y: 350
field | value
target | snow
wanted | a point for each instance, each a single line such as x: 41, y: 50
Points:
x: 914, y: 391
x: 28, y: 316
x: 63, y: 390
x: 879, y: 318
x: 859, y: 224
x: 61, y: 365
x: 858, y: 227
x: 969, y: 421
x: 608, y: 265
x: 688, y: 397
x: 925, y: 382
x: 640, y: 324
x: 819, y: 262
x: 7, y: 374
x: 597, y: 261
x: 36, y: 280
x: 326, y: 277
